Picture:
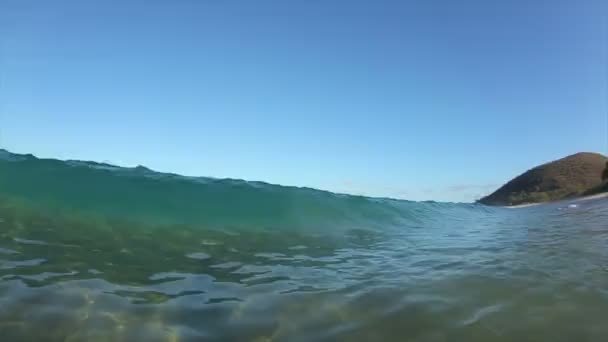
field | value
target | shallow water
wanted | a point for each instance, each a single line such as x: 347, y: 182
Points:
x: 89, y: 253
x: 468, y: 273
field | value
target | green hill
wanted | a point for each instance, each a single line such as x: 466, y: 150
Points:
x: 575, y: 175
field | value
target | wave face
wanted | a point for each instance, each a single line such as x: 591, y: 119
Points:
x: 161, y: 198
x: 92, y: 251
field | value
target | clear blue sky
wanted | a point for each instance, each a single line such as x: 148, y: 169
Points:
x: 441, y: 100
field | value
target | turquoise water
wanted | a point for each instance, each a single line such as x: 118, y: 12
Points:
x: 92, y: 252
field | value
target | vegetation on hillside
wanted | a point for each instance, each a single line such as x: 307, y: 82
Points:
x: 575, y: 175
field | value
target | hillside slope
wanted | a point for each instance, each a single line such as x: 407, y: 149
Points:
x: 571, y: 176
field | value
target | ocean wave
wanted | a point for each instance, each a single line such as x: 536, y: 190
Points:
x: 98, y: 252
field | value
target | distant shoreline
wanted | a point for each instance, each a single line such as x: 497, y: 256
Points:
x: 578, y: 199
